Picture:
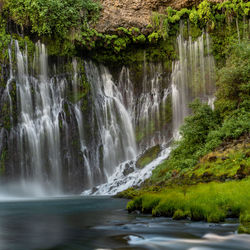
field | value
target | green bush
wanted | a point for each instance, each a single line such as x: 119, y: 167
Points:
x: 57, y: 17
x: 206, y: 129
x: 233, y: 81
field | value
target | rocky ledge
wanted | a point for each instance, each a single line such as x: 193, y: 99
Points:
x: 136, y: 13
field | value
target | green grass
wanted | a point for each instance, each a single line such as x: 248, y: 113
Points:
x: 228, y: 162
x: 212, y: 202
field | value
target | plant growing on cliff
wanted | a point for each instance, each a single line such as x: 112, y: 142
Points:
x: 234, y: 81
x: 206, y: 129
x: 47, y: 17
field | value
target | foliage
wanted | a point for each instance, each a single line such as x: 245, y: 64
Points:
x: 148, y: 156
x: 212, y: 202
x: 57, y: 17
x: 4, y: 39
x: 205, y: 13
x: 206, y: 129
x: 194, y: 133
x: 234, y: 81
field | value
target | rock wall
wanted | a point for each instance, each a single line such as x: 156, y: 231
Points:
x: 136, y: 13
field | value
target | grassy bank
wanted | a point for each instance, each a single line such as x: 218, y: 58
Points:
x: 212, y: 202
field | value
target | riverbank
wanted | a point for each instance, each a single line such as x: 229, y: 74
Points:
x: 212, y: 202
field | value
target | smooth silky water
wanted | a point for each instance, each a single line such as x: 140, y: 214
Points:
x: 75, y: 222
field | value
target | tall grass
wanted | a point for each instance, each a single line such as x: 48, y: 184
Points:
x: 212, y: 202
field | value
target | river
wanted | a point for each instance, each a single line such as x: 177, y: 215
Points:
x: 77, y: 222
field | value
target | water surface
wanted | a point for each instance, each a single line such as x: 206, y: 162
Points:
x: 102, y: 223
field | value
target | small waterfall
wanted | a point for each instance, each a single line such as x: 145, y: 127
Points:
x: 147, y: 105
x: 193, y: 75
x: 113, y: 121
x: 80, y: 123
x: 40, y: 104
x: 143, y: 105
x: 120, y: 180
x: 11, y: 78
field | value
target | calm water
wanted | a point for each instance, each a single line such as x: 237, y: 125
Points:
x: 102, y: 223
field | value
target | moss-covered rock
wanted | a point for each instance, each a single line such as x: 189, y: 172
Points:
x: 148, y: 156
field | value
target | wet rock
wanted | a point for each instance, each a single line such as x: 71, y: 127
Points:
x: 223, y: 177
x: 224, y: 158
x: 94, y: 189
x: 128, y: 169
x: 148, y: 156
x: 206, y: 177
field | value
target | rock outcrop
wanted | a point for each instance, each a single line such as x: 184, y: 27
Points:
x: 136, y: 13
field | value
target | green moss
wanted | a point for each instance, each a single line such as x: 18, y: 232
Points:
x: 244, y: 226
x: 212, y: 202
x: 154, y: 37
x: 2, y: 162
x: 148, y: 156
x: 139, y: 39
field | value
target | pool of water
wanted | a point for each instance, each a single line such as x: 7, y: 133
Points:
x: 102, y: 223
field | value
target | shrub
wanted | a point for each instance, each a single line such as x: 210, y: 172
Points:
x: 47, y: 17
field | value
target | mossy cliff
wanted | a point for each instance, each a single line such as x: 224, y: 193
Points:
x: 74, y: 27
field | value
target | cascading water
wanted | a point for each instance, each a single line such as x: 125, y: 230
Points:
x: 148, y: 104
x: 192, y: 76
x: 113, y: 121
x: 57, y: 143
x: 39, y: 101
x: 60, y: 144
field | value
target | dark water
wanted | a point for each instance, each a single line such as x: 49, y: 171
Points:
x: 102, y: 223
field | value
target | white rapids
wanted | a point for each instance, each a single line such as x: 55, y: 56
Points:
x: 120, y: 180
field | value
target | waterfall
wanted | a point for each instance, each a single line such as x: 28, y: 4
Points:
x: 147, y: 104
x: 113, y: 121
x: 143, y: 105
x: 62, y: 139
x: 40, y: 103
x: 54, y: 143
x: 193, y: 75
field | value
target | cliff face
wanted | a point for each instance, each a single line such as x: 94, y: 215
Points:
x: 136, y: 13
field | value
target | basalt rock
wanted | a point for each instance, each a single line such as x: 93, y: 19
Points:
x: 136, y: 13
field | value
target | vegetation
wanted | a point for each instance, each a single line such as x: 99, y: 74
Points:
x: 206, y: 129
x: 67, y: 26
x: 52, y: 17
x: 148, y: 156
x: 194, y: 158
x: 212, y: 202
